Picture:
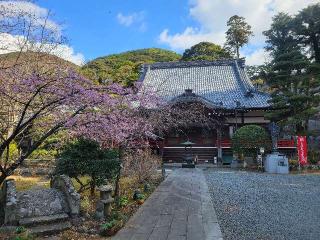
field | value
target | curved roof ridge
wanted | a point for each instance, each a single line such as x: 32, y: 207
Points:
x: 193, y: 97
x: 214, y: 82
x: 200, y: 63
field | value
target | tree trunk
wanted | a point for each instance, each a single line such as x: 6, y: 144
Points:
x: 2, y: 178
x: 117, y: 183
x: 238, y: 54
x: 316, y: 48
x: 92, y: 187
x: 117, y: 188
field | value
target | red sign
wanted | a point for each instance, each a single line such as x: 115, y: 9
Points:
x: 302, y: 149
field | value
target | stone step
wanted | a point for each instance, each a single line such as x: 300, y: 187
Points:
x: 43, y: 219
x: 48, y: 229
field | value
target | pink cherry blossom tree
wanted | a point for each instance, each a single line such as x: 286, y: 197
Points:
x: 64, y: 100
x: 40, y: 96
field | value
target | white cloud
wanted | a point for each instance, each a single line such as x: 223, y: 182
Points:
x: 33, y: 13
x: 67, y: 53
x: 10, y: 43
x: 258, y: 57
x: 212, y: 15
x: 189, y: 37
x: 133, y: 18
x: 125, y: 20
x: 12, y: 40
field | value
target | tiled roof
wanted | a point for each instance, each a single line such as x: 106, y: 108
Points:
x: 222, y: 83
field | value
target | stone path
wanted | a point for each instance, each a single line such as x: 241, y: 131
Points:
x: 179, y: 209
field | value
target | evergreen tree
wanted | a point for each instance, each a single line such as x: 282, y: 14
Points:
x: 238, y: 34
x: 258, y: 76
x: 307, y: 29
x: 290, y: 77
x: 205, y: 51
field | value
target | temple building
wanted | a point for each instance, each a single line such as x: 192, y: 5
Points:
x: 224, y: 88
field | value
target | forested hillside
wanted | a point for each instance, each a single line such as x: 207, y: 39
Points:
x: 124, y: 67
x: 42, y: 61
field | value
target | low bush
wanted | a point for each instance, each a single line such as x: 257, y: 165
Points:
x: 293, y: 164
x: 247, y: 140
x: 84, y: 157
x: 123, y: 201
x: 313, y: 157
x: 141, y: 164
x: 21, y: 233
x: 113, y: 224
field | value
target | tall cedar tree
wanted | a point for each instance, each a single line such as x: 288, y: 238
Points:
x: 237, y: 34
x: 290, y: 76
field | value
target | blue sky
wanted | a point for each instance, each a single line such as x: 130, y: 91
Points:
x: 100, y: 27
x: 95, y: 29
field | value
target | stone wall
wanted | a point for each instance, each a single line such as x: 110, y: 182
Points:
x: 9, y: 202
x: 64, y: 184
x: 36, y: 167
x: 61, y: 198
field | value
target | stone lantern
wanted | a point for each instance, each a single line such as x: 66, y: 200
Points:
x: 104, y: 205
x: 188, y: 158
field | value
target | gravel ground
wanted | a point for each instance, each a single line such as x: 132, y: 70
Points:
x: 265, y: 206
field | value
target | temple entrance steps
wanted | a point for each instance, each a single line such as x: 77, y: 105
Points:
x: 45, y: 225
x: 176, y: 154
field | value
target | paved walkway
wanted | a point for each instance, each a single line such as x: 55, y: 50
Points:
x: 179, y: 209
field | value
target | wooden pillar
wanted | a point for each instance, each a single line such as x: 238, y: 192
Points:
x: 163, y: 170
x: 231, y: 131
x: 219, y: 136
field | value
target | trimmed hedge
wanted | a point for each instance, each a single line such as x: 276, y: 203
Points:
x: 248, y: 139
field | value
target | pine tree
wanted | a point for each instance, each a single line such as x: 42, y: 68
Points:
x: 307, y: 29
x: 290, y: 78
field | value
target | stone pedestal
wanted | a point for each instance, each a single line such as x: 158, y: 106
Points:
x: 235, y: 163
x: 104, y: 205
x: 188, y: 165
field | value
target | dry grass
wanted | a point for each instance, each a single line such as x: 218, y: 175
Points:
x: 26, y: 183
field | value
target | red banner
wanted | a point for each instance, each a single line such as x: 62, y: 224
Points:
x: 302, y: 149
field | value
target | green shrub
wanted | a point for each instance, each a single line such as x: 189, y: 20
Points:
x: 22, y: 234
x: 20, y: 229
x: 313, y: 157
x: 43, y: 154
x: 109, y: 225
x: 84, y: 157
x: 138, y: 195
x: 113, y: 224
x: 248, y: 139
x: 13, y: 152
x: 293, y: 164
x: 123, y: 201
